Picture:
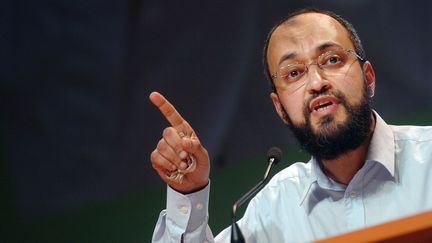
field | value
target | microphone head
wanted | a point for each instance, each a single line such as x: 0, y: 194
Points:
x: 275, y: 153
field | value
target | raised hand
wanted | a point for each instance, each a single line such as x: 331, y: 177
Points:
x: 178, y: 142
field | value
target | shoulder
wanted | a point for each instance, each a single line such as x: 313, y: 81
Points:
x: 414, y: 133
x: 413, y: 147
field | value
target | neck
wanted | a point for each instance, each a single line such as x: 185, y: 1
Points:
x: 343, y: 168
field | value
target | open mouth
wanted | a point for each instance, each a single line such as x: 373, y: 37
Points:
x: 323, y: 106
x: 323, y: 103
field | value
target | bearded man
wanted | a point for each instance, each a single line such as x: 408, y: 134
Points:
x: 362, y: 171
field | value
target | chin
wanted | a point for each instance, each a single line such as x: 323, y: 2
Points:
x: 328, y: 124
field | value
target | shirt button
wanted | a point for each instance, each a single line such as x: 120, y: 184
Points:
x: 184, y: 209
x: 199, y: 206
x: 353, y: 194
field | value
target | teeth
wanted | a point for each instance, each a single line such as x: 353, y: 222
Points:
x: 322, y: 108
x: 323, y: 105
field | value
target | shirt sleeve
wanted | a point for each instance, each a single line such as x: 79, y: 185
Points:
x: 185, y: 218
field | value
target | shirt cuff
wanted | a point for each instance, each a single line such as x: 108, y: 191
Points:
x: 188, y: 211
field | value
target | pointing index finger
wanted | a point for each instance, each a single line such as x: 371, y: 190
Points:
x: 167, y: 109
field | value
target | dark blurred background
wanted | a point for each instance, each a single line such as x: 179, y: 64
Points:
x: 77, y: 129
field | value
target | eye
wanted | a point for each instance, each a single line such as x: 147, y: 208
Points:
x: 291, y: 73
x: 333, y: 59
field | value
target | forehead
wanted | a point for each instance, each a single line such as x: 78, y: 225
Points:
x: 303, y: 34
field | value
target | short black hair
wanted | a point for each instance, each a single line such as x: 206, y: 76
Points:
x: 355, y: 39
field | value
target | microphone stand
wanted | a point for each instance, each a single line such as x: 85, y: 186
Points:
x: 236, y: 234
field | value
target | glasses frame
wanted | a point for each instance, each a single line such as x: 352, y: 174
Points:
x: 315, y: 62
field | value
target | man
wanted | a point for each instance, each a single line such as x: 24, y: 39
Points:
x: 362, y: 171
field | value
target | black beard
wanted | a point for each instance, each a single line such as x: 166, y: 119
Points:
x: 333, y: 140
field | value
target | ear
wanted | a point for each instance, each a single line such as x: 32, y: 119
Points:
x: 369, y: 75
x: 278, y: 106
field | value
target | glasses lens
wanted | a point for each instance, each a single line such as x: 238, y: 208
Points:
x: 336, y: 61
x: 290, y: 74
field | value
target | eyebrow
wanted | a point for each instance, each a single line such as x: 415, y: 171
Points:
x: 320, y: 48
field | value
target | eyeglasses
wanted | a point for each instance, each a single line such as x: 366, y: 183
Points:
x: 331, y: 64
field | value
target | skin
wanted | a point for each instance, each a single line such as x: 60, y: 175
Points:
x: 172, y: 150
x: 301, y: 36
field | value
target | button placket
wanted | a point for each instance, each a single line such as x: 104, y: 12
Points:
x: 353, y: 194
x: 199, y: 206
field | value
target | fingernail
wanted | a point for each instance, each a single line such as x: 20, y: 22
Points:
x: 183, y: 154
x: 173, y: 167
x: 183, y: 165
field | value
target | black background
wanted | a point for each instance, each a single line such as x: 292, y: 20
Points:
x: 76, y: 123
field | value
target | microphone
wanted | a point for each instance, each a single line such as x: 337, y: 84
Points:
x: 274, y: 155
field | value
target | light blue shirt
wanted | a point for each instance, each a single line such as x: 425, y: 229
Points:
x: 301, y: 203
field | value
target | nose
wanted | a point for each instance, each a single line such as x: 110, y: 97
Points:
x: 316, y: 83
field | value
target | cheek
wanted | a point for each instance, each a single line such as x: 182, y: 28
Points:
x: 352, y: 89
x: 352, y: 85
x: 294, y: 108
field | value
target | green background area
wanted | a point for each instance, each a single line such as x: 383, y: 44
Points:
x: 133, y: 217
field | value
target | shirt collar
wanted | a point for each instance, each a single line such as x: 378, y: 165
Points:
x: 312, y: 180
x: 381, y: 150
x: 382, y: 145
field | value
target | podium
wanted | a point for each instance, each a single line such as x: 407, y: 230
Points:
x: 415, y: 228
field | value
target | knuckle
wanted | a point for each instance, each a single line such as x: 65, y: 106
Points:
x: 162, y: 145
x: 156, y: 160
x: 153, y: 156
x: 185, y: 143
x: 167, y: 131
x: 195, y: 143
x: 168, y: 112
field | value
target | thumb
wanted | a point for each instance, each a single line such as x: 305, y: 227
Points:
x: 193, y: 146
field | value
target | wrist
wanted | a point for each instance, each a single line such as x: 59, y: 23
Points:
x: 186, y: 191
